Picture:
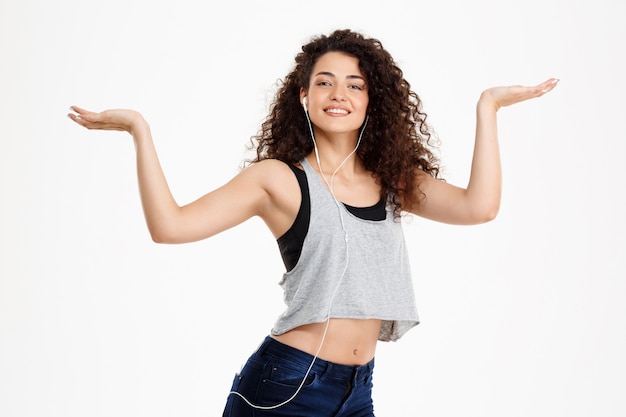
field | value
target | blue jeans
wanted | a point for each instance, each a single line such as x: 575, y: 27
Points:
x: 274, y: 372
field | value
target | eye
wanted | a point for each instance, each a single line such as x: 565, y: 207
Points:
x: 323, y: 83
x: 356, y: 87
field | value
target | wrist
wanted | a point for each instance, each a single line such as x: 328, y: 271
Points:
x: 487, y: 102
x: 137, y: 124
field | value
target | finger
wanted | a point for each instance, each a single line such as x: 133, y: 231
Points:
x: 84, y: 117
x: 548, y: 85
x: 80, y: 120
x: 79, y: 111
x: 76, y: 116
x: 87, y: 115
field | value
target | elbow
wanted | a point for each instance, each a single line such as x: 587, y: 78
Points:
x: 160, y: 234
x: 174, y: 233
x: 489, y: 216
x: 487, y: 213
x: 157, y: 238
x: 482, y: 212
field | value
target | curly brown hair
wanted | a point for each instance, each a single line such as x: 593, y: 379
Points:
x: 396, y: 144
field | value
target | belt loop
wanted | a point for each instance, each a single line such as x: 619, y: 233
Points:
x: 327, y: 369
x: 368, y: 371
x: 259, y: 350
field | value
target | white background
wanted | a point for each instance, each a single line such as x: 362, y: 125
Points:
x: 524, y: 316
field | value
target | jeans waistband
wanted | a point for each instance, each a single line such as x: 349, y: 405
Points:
x: 331, y: 370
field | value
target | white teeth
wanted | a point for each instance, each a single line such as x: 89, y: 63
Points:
x: 337, y: 111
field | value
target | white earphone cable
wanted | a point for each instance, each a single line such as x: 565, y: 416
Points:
x: 332, y: 298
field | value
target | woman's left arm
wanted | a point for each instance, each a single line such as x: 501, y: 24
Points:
x: 480, y: 201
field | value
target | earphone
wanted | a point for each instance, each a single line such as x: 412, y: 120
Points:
x: 332, y: 297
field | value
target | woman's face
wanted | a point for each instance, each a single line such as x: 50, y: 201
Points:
x: 337, y: 98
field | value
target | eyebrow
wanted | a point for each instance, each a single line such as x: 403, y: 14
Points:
x: 330, y: 74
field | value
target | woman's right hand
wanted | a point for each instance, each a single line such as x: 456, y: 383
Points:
x: 117, y: 119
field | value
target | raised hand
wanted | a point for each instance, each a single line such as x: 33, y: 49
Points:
x: 506, y: 96
x: 117, y: 119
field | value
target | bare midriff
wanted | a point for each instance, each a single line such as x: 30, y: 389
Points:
x: 347, y: 341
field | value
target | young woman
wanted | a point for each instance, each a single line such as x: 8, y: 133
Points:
x: 343, y: 153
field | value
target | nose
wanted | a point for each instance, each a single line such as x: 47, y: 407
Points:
x: 338, y: 94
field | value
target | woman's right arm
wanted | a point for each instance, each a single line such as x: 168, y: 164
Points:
x: 244, y: 196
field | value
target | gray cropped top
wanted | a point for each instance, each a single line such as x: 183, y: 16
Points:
x: 363, y: 273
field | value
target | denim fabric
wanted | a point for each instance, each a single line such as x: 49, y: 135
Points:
x: 274, y: 372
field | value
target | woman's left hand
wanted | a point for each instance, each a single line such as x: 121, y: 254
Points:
x: 506, y: 96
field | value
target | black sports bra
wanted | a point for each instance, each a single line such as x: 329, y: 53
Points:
x: 290, y: 243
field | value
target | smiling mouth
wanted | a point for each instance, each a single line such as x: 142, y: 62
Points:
x: 337, y: 111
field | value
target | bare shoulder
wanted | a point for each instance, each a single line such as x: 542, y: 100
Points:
x: 269, y: 172
x: 271, y: 164
x: 283, y: 191
x: 278, y: 178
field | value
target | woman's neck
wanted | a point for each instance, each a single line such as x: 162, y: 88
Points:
x: 336, y: 151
